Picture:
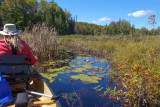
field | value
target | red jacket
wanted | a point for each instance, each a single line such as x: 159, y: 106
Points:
x: 26, y: 51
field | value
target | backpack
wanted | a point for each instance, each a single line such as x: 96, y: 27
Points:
x: 5, y: 92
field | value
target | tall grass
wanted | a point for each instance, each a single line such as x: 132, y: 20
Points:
x: 136, y: 63
x: 42, y: 40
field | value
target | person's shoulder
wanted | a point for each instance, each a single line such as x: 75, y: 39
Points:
x: 25, y: 44
x: 2, y: 41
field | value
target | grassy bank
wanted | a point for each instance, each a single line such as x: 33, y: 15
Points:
x: 136, y: 63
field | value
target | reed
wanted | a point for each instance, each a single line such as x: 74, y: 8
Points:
x: 42, y: 40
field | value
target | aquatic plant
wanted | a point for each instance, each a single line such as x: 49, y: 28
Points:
x: 51, y: 77
x: 57, y: 69
x: 86, y: 78
x: 72, y: 98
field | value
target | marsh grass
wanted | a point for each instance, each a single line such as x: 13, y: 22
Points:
x: 136, y: 63
x: 138, y: 67
x: 42, y: 41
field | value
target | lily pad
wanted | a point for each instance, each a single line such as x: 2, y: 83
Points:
x: 51, y: 77
x: 78, y: 70
x: 52, y: 62
x: 96, y: 78
x: 91, y: 73
x: 45, y: 64
x: 45, y: 75
x: 85, y: 78
x: 82, y: 68
x: 57, y: 69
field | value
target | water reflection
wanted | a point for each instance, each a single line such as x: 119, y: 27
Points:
x: 82, y: 82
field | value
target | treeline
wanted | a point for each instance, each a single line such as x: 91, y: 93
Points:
x: 121, y: 27
x: 26, y: 13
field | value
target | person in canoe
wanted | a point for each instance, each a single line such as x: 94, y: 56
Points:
x: 13, y: 44
x: 15, y: 54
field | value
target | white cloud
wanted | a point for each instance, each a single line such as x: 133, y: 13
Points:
x: 156, y: 0
x: 104, y: 19
x: 140, y: 13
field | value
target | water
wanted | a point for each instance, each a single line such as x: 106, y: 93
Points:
x: 82, y: 83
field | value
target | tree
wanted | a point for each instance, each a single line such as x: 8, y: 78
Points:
x: 157, y: 31
x: 1, y: 21
x: 20, y: 12
x: 144, y: 31
x: 42, y: 10
x: 125, y: 27
x: 112, y: 28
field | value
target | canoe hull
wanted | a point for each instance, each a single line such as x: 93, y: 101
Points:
x: 40, y: 85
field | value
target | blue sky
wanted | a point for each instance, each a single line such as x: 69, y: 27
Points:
x: 102, y: 12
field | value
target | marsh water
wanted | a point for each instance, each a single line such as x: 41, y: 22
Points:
x: 81, y: 81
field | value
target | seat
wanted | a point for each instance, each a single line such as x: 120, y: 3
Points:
x: 14, y: 64
x: 15, y: 69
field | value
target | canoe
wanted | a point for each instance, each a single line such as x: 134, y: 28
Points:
x: 39, y: 85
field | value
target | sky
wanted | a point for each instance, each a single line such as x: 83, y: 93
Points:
x: 102, y: 12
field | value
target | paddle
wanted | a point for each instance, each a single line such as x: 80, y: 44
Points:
x: 43, y: 102
x: 41, y: 94
x: 36, y: 103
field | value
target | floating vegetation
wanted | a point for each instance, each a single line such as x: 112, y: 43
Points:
x: 56, y: 62
x: 84, y: 66
x: 95, y: 77
x: 91, y: 73
x: 57, y: 69
x: 51, y: 77
x: 98, y: 88
x: 85, y: 78
x: 45, y: 64
x: 72, y: 98
x: 46, y: 76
